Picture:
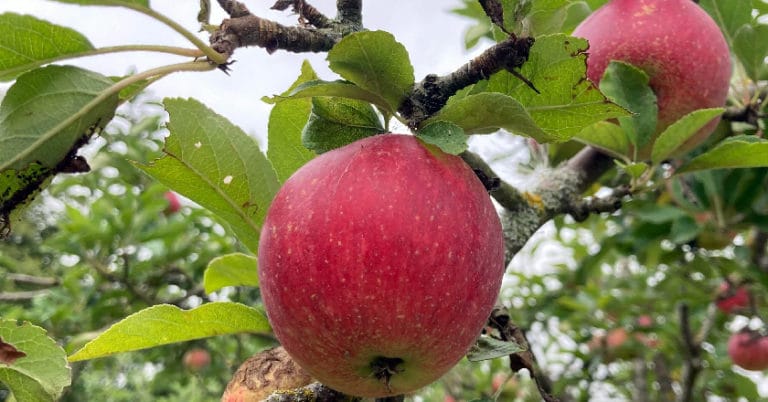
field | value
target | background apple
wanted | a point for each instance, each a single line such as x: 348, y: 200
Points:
x: 197, y: 359
x: 732, y: 299
x: 174, y: 204
x: 379, y: 263
x: 675, y: 42
x: 749, y: 350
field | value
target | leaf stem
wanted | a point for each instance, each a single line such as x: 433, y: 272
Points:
x: 113, y: 90
x: 179, y: 51
x: 213, y: 55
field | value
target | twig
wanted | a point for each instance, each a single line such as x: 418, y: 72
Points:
x: 640, y: 380
x: 33, y: 280
x: 432, y: 93
x: 250, y: 30
x: 501, y: 321
x: 759, y: 250
x: 245, y: 29
x: 22, y: 296
x: 558, y: 192
x: 692, y: 353
x: 308, y: 14
x: 666, y: 392
x: 350, y: 12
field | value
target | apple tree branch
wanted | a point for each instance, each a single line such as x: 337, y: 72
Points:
x: 558, y: 192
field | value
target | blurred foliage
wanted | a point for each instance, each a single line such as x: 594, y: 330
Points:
x: 105, y: 245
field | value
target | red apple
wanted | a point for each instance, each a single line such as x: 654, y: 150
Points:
x: 174, y: 204
x: 197, y: 359
x: 749, y: 350
x: 731, y: 300
x: 644, y: 321
x: 379, y: 263
x: 675, y: 42
x: 498, y: 381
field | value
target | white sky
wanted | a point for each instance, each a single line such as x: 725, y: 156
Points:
x: 435, y: 47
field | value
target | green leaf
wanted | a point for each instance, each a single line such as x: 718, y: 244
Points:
x: 730, y: 16
x: 751, y: 47
x: 607, y: 136
x: 445, y: 135
x: 486, y: 112
x: 235, y: 269
x: 745, y: 387
x: 27, y: 42
x: 44, y: 119
x: 214, y: 163
x: 568, y: 103
x: 660, y: 214
x: 634, y: 169
x: 487, y: 348
x: 43, y: 373
x: 627, y: 86
x: 547, y: 16
x: 163, y: 324
x: 680, y: 131
x: 735, y: 152
x: 341, y: 89
x: 286, y: 122
x: 684, y: 230
x: 133, y: 90
x: 376, y: 62
x: 335, y: 122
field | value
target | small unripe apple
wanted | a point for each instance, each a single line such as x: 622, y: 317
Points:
x: 730, y: 300
x: 197, y: 359
x: 675, y: 42
x: 174, y: 204
x: 379, y: 264
x: 749, y: 350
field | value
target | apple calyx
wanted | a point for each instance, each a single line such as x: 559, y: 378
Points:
x: 384, y: 368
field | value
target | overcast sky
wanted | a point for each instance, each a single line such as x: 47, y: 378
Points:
x: 432, y: 35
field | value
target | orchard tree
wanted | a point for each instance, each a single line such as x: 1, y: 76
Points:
x: 353, y: 262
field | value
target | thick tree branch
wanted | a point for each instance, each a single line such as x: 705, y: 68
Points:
x: 431, y: 94
x: 251, y: 30
x: 314, y: 392
x: 318, y: 33
x: 558, y: 192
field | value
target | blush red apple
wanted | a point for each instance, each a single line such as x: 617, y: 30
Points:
x: 749, y: 350
x: 732, y: 299
x: 675, y: 42
x: 379, y: 263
